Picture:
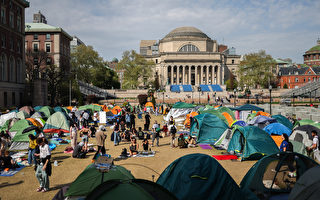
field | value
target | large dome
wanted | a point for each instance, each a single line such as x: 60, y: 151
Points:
x: 186, y: 32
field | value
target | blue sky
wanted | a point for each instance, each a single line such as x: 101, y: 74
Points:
x: 284, y: 28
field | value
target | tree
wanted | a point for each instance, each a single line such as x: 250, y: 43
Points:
x: 36, y: 62
x: 156, y: 83
x: 56, y: 80
x: 104, y: 77
x: 257, y: 69
x: 231, y: 83
x: 137, y: 70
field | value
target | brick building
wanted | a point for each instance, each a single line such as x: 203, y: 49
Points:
x: 52, y: 41
x: 12, y: 83
x: 312, y: 56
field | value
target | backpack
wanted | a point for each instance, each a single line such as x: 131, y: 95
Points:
x: 290, y: 147
x: 173, y: 130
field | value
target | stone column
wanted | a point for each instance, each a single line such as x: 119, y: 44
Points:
x: 201, y: 75
x: 178, y: 76
x: 183, y: 74
x: 219, y: 75
x: 212, y: 75
x: 171, y: 75
x: 189, y: 75
x: 195, y: 75
x: 207, y: 75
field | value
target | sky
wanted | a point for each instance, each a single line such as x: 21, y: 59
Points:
x: 283, y: 28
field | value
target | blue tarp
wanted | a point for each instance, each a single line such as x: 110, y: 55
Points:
x: 205, y: 88
x: 175, y: 88
x: 216, y: 88
x: 187, y: 88
x: 277, y: 128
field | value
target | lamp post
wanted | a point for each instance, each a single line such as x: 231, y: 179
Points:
x: 310, y: 98
x: 270, y: 89
x: 163, y: 97
x: 199, y: 89
x: 292, y: 99
x: 192, y: 94
x: 234, y: 96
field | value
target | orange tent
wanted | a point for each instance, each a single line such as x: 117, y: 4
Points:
x: 69, y: 108
x: 115, y: 110
x: 263, y: 114
x: 34, y: 122
x: 228, y: 118
x: 187, y: 121
x: 277, y: 139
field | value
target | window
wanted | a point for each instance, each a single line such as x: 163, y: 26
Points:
x: 156, y: 61
x: 11, y: 20
x: 13, y: 98
x: 3, y: 41
x: 304, y: 79
x: 3, y: 66
x: 18, y: 46
x: 3, y: 15
x: 297, y: 80
x: 19, y: 72
x: 35, y: 36
x: 5, y: 99
x: 35, y: 47
x: 12, y: 70
x: 232, y: 61
x: 48, y: 61
x: 48, y: 36
x: 189, y: 48
x: 11, y: 43
x: 19, y: 24
x: 35, y: 61
x: 48, y: 48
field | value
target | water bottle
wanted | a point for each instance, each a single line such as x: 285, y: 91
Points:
x: 55, y: 163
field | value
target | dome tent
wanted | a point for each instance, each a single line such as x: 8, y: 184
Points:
x: 56, y: 123
x: 20, y: 140
x: 47, y: 111
x: 199, y: 176
x: 283, y: 120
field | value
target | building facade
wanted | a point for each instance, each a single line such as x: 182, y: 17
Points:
x: 74, y: 43
x: 12, y: 67
x: 312, y: 56
x: 187, y: 56
x: 46, y: 45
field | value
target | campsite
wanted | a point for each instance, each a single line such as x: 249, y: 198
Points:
x: 238, y: 147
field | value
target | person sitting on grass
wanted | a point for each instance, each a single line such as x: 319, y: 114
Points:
x: 7, y: 162
x: 191, y: 142
x: 140, y: 134
x: 182, y: 143
x: 133, y: 147
x: 145, y: 145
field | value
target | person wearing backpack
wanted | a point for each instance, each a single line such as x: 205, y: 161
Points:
x: 173, y: 131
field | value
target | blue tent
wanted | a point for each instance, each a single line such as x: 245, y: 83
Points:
x: 239, y: 123
x: 199, y: 176
x: 283, y: 120
x: 207, y: 127
x: 247, y: 107
x: 277, y: 129
x: 261, y: 120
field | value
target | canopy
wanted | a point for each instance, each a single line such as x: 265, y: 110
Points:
x: 207, y: 128
x: 283, y: 120
x: 199, y: 176
x: 91, y: 107
x: 261, y: 178
x: 247, y: 107
x: 183, y: 105
x: 47, y: 111
x: 250, y: 142
x: 277, y: 129
x: 56, y: 123
x: 90, y: 178
x: 27, y: 109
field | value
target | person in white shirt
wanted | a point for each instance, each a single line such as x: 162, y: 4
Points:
x: 95, y: 118
x: 44, y: 167
x: 313, y: 150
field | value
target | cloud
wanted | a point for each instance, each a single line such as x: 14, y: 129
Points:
x: 283, y: 28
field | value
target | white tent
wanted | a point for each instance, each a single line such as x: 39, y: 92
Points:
x: 5, y: 117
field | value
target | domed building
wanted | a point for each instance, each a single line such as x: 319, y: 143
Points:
x: 187, y: 56
x: 312, y: 56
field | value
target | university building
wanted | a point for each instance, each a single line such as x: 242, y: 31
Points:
x: 45, y: 45
x: 12, y: 68
x: 187, y: 56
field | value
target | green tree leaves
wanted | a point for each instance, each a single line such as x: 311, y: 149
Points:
x: 257, y: 70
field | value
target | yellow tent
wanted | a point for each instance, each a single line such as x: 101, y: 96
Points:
x: 149, y: 104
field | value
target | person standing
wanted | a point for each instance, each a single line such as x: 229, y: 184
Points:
x: 173, y: 131
x: 147, y: 121
x: 285, y: 145
x: 155, y: 133
x: 95, y: 118
x: 128, y: 120
x: 116, y: 137
x: 32, y: 149
x: 133, y: 121
x: 101, y: 136
x: 73, y: 135
x: 44, y: 167
x: 313, y: 150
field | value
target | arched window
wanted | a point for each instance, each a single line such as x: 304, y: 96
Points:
x: 3, y: 66
x: 19, y: 70
x: 12, y: 70
x: 189, y: 48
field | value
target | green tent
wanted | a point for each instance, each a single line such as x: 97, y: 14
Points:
x: 47, y: 111
x: 207, y: 128
x: 261, y: 178
x: 134, y: 189
x: 304, y: 122
x: 8, y: 124
x: 247, y: 107
x: 22, y: 114
x: 37, y: 108
x: 183, y: 105
x: 227, y: 110
x: 251, y: 142
x: 17, y: 130
x: 216, y: 113
x: 56, y: 123
x: 90, y: 178
x: 199, y: 176
x: 283, y: 120
x: 61, y: 109
x: 91, y: 107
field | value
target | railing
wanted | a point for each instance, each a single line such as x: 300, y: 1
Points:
x: 312, y: 87
x: 88, y: 89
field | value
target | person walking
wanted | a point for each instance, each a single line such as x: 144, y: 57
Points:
x: 73, y: 135
x: 32, y: 149
x: 313, y: 150
x: 133, y: 121
x: 173, y: 131
x: 101, y: 136
x: 147, y: 121
x: 116, y: 136
x: 44, y: 167
x: 155, y: 133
